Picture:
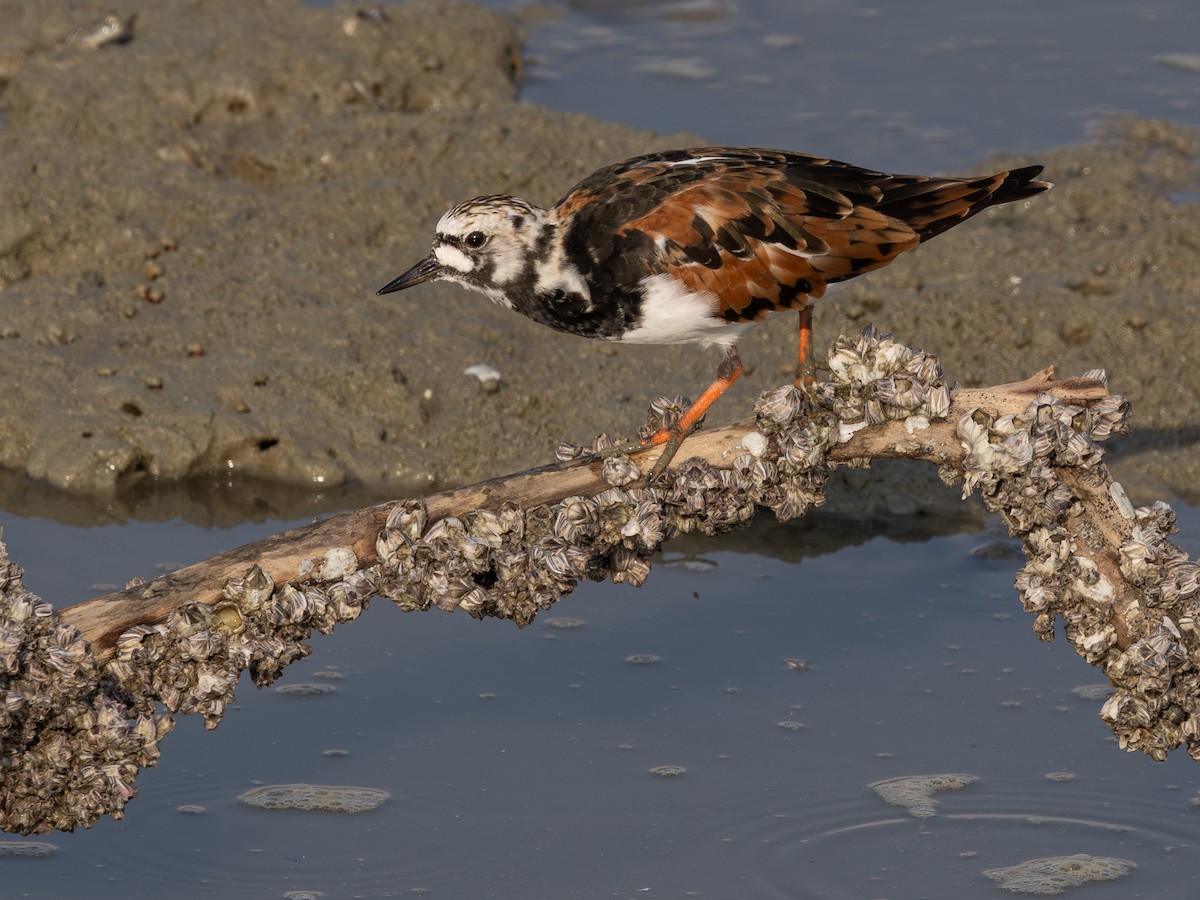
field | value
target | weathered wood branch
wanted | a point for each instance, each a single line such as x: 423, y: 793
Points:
x: 84, y: 690
x: 298, y: 554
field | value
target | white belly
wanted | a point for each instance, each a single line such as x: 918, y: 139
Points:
x: 672, y: 314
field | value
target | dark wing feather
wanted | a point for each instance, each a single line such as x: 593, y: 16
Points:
x: 763, y: 230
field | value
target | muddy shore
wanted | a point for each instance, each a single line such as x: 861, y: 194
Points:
x: 193, y: 223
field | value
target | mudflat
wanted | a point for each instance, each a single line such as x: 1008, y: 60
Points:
x: 196, y: 212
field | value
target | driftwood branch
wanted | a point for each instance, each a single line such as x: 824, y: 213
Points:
x: 299, y: 554
x: 85, y: 689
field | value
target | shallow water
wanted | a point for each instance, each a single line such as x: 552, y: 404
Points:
x: 930, y: 87
x: 519, y: 761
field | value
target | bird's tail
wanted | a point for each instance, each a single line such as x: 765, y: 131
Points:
x: 932, y: 205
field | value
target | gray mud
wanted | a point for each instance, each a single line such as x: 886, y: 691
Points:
x: 193, y: 224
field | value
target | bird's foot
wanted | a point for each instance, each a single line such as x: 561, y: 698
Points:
x: 663, y: 415
x: 670, y: 446
x: 669, y: 421
x: 671, y: 439
x: 622, y: 448
x: 806, y: 370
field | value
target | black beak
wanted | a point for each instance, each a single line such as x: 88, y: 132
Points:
x: 426, y: 270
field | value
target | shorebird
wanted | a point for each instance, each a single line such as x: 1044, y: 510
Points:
x: 698, y: 246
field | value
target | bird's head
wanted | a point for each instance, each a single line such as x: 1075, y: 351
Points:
x: 486, y: 244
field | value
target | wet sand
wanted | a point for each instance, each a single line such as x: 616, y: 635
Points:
x: 194, y: 222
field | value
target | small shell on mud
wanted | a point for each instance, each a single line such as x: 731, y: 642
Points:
x: 489, y: 377
x: 109, y: 29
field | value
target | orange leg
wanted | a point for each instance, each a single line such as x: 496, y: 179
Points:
x: 727, y: 374
x: 806, y: 366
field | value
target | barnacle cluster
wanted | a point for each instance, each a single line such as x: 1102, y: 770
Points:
x: 1041, y: 469
x: 73, y: 733
x: 71, y: 739
x: 1015, y: 462
x: 1156, y: 706
x: 511, y: 563
x: 874, y: 379
x: 191, y: 662
x: 100, y: 32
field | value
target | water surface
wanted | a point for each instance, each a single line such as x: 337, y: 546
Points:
x: 519, y: 762
x: 907, y: 87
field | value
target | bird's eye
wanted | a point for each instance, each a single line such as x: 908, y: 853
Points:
x: 476, y: 239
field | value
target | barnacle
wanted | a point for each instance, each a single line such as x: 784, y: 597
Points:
x: 779, y: 408
x: 602, y: 443
x: 409, y: 517
x: 662, y: 414
x: 576, y: 518
x: 568, y: 452
x: 629, y: 566
x: 338, y: 562
x: 484, y: 526
x: 250, y: 591
x: 939, y: 401
x: 646, y: 529
x: 620, y: 470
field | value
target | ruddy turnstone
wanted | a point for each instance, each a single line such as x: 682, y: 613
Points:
x: 697, y: 246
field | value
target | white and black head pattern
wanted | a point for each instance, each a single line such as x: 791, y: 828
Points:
x: 511, y: 251
x: 488, y: 243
